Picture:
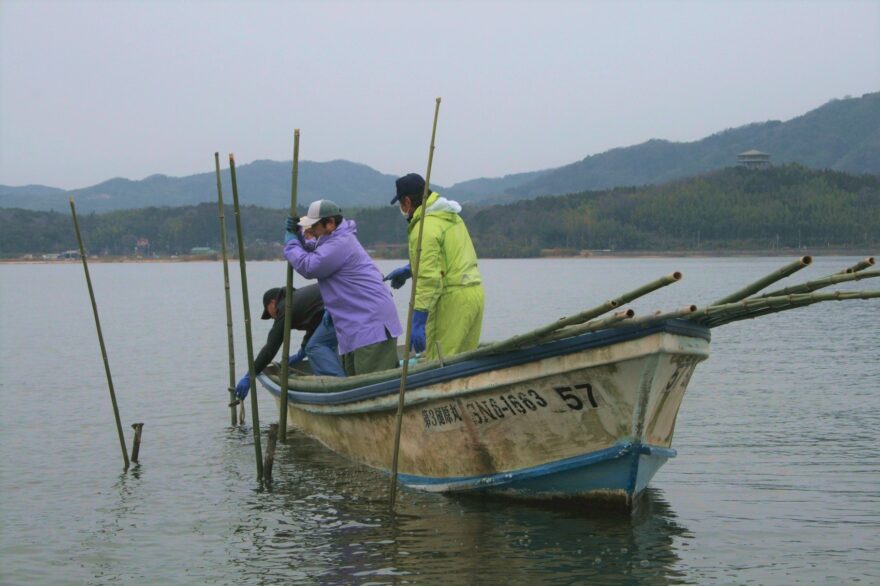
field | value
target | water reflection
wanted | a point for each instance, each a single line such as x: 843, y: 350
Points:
x: 326, y: 520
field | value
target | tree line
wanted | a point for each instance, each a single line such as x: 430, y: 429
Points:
x: 732, y: 209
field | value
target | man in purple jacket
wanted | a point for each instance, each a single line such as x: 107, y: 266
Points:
x: 323, y: 245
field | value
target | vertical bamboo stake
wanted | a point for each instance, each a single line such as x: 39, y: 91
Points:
x: 136, y: 443
x: 82, y: 255
x: 288, y: 302
x: 270, y: 453
x: 232, y: 400
x: 255, y: 416
x: 409, y: 316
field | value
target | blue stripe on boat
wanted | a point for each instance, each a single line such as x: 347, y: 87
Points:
x: 603, y: 470
x: 488, y: 363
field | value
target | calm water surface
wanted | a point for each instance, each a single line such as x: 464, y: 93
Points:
x: 777, y: 479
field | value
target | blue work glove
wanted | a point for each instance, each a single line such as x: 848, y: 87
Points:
x: 243, y: 386
x: 417, y: 336
x: 399, y: 276
x: 297, y: 357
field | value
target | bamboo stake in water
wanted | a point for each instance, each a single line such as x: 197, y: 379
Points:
x: 255, y: 416
x: 288, y: 303
x: 270, y: 453
x: 409, y: 316
x: 82, y: 254
x: 776, y: 275
x: 136, y: 443
x: 223, y: 240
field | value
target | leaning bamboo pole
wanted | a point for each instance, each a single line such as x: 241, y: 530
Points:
x: 82, y: 255
x: 229, y: 343
x: 619, y: 318
x: 409, y: 316
x: 255, y: 416
x: 826, y: 281
x: 717, y: 315
x: 763, y: 282
x: 323, y: 384
x: 860, y: 266
x: 288, y: 303
x: 584, y: 316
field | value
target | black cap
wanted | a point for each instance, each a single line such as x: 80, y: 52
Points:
x: 411, y: 184
x: 272, y: 294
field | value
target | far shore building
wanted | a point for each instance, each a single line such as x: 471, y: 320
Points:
x: 754, y: 159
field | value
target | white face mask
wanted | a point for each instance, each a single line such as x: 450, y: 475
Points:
x: 404, y: 213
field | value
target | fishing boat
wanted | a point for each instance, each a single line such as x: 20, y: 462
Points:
x: 582, y: 407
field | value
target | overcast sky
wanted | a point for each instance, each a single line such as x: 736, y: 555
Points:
x: 94, y: 90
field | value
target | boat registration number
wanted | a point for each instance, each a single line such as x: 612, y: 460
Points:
x: 504, y: 405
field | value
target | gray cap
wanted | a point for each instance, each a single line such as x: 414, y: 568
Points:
x: 323, y: 208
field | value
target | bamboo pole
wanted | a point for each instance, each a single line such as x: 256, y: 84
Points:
x: 136, y: 443
x: 223, y: 239
x: 592, y: 326
x: 255, y: 416
x: 810, y: 286
x: 321, y: 384
x: 776, y: 275
x: 584, y: 316
x: 270, y: 453
x: 716, y: 315
x: 288, y: 303
x: 82, y: 255
x: 860, y: 266
x: 409, y: 316
x: 649, y: 320
x: 785, y: 303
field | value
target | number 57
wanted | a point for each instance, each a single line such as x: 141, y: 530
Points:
x: 573, y: 400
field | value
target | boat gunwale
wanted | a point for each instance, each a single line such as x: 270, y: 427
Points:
x: 516, y: 357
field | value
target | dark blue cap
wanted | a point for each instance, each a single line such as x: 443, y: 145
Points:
x: 411, y: 184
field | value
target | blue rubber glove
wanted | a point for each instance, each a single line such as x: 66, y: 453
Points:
x: 399, y: 276
x: 243, y: 386
x: 417, y: 336
x: 297, y: 357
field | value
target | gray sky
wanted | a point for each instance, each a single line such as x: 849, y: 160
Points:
x: 94, y: 90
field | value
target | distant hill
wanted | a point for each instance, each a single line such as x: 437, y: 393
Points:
x: 842, y: 135
x: 264, y: 183
x: 735, y: 209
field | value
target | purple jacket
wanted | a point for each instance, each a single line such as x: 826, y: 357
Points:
x: 351, y: 286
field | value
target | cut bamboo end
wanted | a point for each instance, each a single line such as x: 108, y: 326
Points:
x: 806, y: 260
x: 625, y: 314
x: 861, y: 265
x: 676, y: 276
x: 71, y: 200
x: 689, y: 308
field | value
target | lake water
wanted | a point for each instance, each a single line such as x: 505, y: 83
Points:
x: 777, y: 478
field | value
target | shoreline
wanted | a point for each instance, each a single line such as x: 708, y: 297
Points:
x: 599, y: 255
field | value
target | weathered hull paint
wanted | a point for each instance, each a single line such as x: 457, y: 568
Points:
x: 595, y: 422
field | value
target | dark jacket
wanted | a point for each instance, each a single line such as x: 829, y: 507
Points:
x: 308, y: 309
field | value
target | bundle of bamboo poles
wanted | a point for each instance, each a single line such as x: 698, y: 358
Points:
x: 744, y: 304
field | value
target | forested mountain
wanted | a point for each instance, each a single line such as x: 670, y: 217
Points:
x: 265, y: 183
x: 842, y: 135
x: 731, y: 209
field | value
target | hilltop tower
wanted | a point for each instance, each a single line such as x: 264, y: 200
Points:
x: 754, y: 159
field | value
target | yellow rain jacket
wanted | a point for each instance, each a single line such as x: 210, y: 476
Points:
x: 449, y: 285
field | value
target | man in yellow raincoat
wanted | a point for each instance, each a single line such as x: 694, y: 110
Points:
x: 448, y: 314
